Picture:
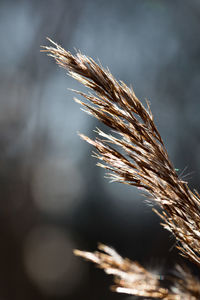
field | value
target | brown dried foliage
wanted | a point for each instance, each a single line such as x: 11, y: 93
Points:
x: 185, y: 284
x: 131, y: 278
x: 143, y: 160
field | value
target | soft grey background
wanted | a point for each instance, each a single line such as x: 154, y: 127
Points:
x: 53, y: 197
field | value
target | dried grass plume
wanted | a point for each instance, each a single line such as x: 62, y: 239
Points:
x: 131, y: 278
x: 142, y: 162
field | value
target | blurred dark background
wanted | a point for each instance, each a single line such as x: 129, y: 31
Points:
x: 53, y: 197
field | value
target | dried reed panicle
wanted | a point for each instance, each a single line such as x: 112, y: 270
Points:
x: 131, y: 278
x: 143, y: 160
x: 185, y: 284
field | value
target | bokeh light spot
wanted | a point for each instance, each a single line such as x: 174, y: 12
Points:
x: 50, y: 263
